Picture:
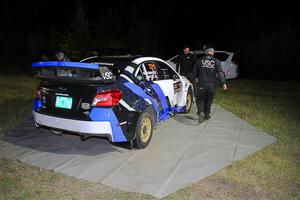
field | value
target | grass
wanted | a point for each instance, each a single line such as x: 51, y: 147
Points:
x: 273, y: 173
x: 16, y: 97
x: 274, y: 108
x: 21, y: 181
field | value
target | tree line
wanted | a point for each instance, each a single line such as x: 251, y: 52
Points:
x: 265, y: 52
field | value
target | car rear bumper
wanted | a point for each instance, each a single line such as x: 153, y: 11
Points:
x: 84, y: 127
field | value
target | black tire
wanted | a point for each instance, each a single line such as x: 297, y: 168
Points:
x: 143, y: 131
x: 189, y: 100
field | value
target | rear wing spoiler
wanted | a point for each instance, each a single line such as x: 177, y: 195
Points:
x: 72, y: 72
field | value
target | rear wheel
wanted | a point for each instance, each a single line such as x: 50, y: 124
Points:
x: 189, y: 101
x: 143, y: 131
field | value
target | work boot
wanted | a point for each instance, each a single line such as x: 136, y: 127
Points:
x: 200, y: 118
x: 206, y: 117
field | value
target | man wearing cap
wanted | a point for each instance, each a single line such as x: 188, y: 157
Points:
x: 206, y: 71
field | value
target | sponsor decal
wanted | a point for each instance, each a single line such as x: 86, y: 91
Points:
x: 104, y: 63
x: 176, y: 87
x: 107, y: 75
x: 61, y: 94
x: 129, y: 69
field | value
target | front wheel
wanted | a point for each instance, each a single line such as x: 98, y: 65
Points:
x: 143, y: 131
x: 189, y: 101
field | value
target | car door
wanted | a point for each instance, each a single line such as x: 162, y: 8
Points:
x: 147, y: 76
x: 170, y: 83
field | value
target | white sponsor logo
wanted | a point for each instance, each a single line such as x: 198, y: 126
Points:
x: 61, y: 94
x: 107, y: 75
x: 208, y: 63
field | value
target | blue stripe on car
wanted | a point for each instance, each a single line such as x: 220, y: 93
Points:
x: 165, y: 114
x: 178, y: 109
x: 140, y: 92
x: 65, y: 64
x: 107, y: 114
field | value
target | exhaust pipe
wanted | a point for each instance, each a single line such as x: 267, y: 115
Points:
x: 83, y: 137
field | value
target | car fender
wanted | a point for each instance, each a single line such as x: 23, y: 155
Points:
x: 186, y: 84
x: 133, y: 117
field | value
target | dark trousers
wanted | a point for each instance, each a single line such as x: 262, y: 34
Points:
x: 205, y: 97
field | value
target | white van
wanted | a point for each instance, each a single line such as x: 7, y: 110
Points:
x: 228, y: 62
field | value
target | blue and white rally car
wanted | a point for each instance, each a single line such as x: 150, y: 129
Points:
x: 120, y: 98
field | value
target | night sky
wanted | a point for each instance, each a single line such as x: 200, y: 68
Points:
x: 184, y: 22
x: 226, y: 26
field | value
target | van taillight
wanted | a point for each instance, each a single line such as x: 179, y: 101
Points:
x: 233, y: 59
x: 38, y: 93
x: 107, y: 98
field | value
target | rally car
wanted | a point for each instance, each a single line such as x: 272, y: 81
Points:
x: 120, y: 98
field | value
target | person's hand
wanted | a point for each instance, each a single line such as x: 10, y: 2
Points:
x: 225, y: 87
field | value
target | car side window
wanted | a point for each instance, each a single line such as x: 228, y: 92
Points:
x: 148, y: 71
x: 164, y: 71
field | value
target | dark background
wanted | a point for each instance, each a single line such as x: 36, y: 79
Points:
x: 265, y: 37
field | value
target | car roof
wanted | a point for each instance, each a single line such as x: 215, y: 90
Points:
x: 136, y: 59
x: 120, y: 58
x: 202, y: 51
x: 143, y: 59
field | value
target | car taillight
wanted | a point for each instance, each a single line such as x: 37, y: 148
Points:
x: 107, y: 98
x: 38, y: 93
x: 233, y: 59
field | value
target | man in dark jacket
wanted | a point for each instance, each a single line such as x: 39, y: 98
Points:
x: 185, y: 62
x: 206, y: 71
